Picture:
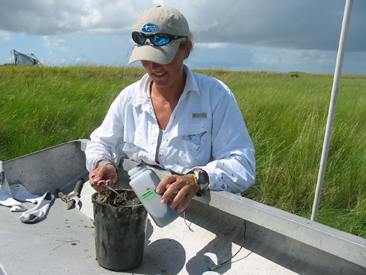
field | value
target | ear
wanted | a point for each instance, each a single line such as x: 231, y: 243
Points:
x: 188, y: 49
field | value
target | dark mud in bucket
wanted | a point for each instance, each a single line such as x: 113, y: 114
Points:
x: 120, y: 229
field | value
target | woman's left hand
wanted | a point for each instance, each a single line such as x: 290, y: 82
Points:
x: 185, y: 186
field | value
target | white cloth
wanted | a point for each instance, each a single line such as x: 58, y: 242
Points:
x: 11, y: 195
x: 206, y: 130
x: 39, y: 211
x: 20, y: 193
x: 6, y: 196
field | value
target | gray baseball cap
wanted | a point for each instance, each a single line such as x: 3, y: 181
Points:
x: 160, y: 19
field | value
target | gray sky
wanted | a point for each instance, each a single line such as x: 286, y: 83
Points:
x: 268, y: 35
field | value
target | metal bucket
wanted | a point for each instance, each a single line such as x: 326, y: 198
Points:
x: 119, y: 230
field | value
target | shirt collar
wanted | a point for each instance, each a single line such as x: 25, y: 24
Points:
x: 142, y: 94
x: 191, y: 84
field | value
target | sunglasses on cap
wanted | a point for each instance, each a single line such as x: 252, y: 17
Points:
x: 157, y: 39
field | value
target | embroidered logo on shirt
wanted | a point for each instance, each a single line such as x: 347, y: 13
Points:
x: 199, y: 115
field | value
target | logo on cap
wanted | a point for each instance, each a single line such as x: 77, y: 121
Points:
x: 150, y: 27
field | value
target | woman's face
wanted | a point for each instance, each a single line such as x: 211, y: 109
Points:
x: 169, y: 76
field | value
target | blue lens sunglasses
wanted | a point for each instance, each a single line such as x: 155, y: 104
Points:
x: 157, y: 39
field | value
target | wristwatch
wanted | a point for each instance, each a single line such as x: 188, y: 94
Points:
x: 201, y: 178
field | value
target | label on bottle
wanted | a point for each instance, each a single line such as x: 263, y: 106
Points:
x: 148, y: 195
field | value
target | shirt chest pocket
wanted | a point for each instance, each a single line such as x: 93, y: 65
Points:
x: 193, y: 142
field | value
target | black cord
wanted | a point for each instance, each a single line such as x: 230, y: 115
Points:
x: 185, y: 221
x: 221, y: 264
x: 242, y: 244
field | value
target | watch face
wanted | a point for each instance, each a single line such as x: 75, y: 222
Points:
x: 201, y: 179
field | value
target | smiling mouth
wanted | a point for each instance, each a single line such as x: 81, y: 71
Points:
x: 161, y: 74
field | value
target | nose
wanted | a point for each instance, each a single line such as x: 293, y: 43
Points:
x: 155, y: 65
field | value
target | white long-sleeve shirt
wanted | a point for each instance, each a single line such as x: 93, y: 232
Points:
x: 206, y: 130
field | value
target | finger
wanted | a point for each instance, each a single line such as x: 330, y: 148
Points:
x: 98, y: 184
x: 109, y: 182
x: 183, y: 205
x: 92, y: 178
x: 96, y: 175
x: 179, y: 185
x: 183, y: 195
x: 164, y: 184
x: 181, y: 201
x: 169, y: 192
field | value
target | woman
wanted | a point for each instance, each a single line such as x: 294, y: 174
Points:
x: 184, y: 122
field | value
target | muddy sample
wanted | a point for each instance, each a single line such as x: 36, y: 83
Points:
x: 124, y: 199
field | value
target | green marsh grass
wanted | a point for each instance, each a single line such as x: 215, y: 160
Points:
x: 285, y: 113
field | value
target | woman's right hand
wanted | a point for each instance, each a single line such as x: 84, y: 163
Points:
x: 103, y: 175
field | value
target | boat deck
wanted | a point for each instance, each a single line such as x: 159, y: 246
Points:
x: 214, y: 229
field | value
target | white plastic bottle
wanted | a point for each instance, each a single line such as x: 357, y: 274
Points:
x: 144, y: 182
